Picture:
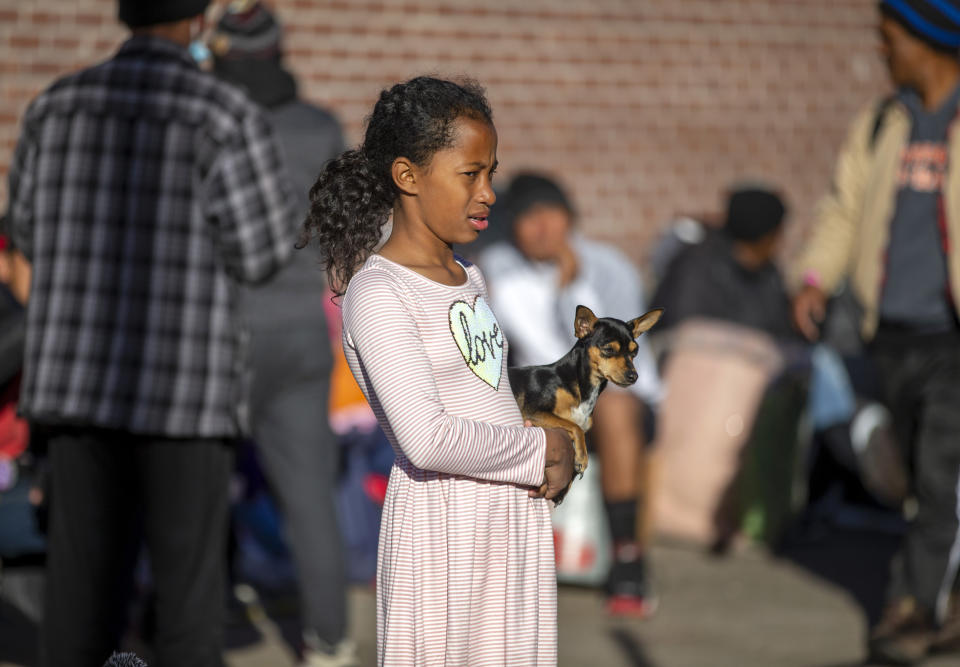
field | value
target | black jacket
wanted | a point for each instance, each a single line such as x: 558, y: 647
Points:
x: 704, y: 280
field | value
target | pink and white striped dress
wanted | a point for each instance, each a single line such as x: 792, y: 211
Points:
x: 466, y: 565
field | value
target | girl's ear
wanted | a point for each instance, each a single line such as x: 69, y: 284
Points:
x: 404, y: 174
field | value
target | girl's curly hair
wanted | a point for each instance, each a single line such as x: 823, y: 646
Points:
x: 354, y: 194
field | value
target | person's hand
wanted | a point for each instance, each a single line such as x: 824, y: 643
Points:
x: 558, y: 463
x: 809, y: 309
x: 567, y: 265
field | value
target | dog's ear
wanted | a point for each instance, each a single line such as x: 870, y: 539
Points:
x: 644, y: 322
x: 584, y: 322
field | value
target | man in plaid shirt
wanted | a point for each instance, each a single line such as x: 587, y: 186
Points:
x: 143, y: 190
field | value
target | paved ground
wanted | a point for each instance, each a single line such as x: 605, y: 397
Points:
x: 807, y: 607
x: 748, y: 610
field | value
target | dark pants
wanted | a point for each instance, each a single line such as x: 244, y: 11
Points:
x: 298, y: 453
x: 921, y: 381
x: 108, y: 489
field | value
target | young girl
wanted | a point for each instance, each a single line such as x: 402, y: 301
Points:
x: 466, y: 565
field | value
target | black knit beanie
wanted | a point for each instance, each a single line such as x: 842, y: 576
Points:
x: 528, y: 190
x: 936, y: 22
x: 139, y: 13
x: 752, y: 213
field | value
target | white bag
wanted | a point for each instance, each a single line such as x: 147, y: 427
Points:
x: 581, y: 536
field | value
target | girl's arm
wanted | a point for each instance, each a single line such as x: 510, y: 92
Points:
x: 394, y: 367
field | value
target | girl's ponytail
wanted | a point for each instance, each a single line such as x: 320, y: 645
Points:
x: 349, y: 204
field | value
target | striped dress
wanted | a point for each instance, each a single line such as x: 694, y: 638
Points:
x: 466, y: 565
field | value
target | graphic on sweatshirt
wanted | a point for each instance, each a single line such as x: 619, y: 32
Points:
x: 923, y: 165
x: 478, y: 335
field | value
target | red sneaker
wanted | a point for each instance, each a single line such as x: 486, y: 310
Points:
x: 628, y: 589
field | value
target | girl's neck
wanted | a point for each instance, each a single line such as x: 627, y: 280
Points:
x: 429, y: 257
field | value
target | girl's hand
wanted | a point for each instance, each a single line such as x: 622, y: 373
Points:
x: 558, y: 463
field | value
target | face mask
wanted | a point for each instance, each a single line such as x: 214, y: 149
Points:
x: 200, y: 52
x: 198, y: 48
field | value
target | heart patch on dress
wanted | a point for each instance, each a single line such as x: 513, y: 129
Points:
x: 478, y: 335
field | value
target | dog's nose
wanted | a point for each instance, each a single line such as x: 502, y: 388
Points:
x: 631, y: 376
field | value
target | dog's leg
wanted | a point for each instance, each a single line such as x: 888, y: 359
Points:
x: 550, y: 420
x: 579, y: 449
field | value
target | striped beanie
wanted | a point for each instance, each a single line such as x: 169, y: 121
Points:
x: 936, y: 22
x: 246, y: 31
x: 247, y: 52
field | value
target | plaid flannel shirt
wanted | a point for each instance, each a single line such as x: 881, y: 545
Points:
x: 143, y: 190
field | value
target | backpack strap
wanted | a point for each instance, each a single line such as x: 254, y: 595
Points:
x: 882, y: 107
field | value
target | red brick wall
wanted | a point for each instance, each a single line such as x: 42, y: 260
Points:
x: 643, y: 108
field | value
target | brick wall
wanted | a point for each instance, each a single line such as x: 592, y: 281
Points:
x: 643, y: 108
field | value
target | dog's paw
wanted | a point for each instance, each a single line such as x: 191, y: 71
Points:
x: 557, y: 499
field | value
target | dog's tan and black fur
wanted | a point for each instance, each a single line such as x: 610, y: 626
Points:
x: 564, y: 393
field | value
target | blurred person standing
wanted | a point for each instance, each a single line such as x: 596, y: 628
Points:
x: 14, y: 273
x: 14, y: 289
x: 891, y: 223
x: 20, y: 527
x: 291, y: 356
x: 536, y: 280
x: 143, y: 191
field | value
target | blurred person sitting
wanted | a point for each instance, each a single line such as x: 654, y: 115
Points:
x: 729, y: 273
x: 890, y: 224
x: 143, y: 191
x: 536, y: 280
x: 725, y: 338
x: 290, y: 357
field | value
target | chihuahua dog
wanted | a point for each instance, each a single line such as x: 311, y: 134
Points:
x: 564, y: 393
